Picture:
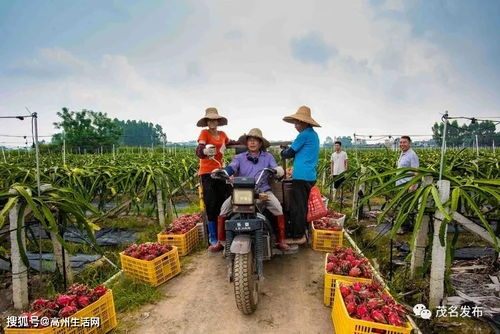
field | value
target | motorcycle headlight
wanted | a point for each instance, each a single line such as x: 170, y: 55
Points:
x: 243, y: 196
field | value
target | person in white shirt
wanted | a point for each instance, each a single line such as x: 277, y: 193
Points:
x: 407, y: 158
x: 339, y: 163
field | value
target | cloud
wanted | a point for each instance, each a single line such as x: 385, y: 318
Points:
x: 257, y: 61
x: 312, y: 49
x: 48, y: 63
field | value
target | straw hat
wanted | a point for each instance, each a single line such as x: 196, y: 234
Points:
x: 256, y: 133
x: 303, y: 115
x: 211, y: 113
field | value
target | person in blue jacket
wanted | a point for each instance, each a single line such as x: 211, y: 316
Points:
x: 305, y: 153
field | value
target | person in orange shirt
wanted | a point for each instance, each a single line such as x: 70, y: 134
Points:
x: 210, y: 149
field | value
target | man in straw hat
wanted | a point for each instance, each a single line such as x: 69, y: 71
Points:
x: 210, y: 149
x: 305, y: 151
x: 250, y: 164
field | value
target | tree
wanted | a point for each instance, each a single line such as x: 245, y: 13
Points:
x: 328, y: 142
x: 346, y: 141
x: 139, y: 133
x: 465, y: 135
x: 87, y: 130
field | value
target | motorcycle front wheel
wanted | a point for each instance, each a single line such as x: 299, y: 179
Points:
x: 246, y: 285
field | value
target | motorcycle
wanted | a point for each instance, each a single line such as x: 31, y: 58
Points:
x: 250, y: 238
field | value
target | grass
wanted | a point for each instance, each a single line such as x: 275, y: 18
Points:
x: 129, y: 294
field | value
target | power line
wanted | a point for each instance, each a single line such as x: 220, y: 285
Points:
x: 22, y: 117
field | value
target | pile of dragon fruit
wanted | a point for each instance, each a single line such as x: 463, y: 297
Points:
x: 369, y: 302
x: 345, y: 261
x: 147, y: 251
x: 326, y: 223
x: 333, y: 214
x: 65, y: 305
x: 183, y: 224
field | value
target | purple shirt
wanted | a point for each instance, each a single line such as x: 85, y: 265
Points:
x: 243, y: 167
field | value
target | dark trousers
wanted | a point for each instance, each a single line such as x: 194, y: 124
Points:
x: 215, y: 193
x: 298, y: 206
x: 339, y: 182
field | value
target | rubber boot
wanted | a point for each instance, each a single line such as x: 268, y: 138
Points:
x: 221, y: 235
x: 212, y: 232
x: 221, y: 228
x: 281, y: 233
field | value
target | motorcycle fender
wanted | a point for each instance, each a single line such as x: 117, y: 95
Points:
x: 242, y: 244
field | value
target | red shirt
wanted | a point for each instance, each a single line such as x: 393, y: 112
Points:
x: 208, y: 165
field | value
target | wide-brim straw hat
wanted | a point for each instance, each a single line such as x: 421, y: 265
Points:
x: 211, y: 113
x: 303, y: 114
x: 256, y: 133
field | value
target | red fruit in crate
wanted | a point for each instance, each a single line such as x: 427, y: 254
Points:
x: 388, y: 299
x: 351, y: 307
x: 67, y: 311
x: 52, y: 306
x: 356, y: 263
x: 64, y: 300
x: 83, y: 301
x: 356, y: 286
x: 379, y: 331
x: 373, y: 303
x: 78, y: 289
x: 362, y: 310
x: 329, y: 266
x: 39, y: 304
x: 378, y: 316
x: 100, y: 290
x: 345, y: 291
x: 399, y: 310
x: 367, y: 318
x: 375, y: 286
x: 149, y: 257
x: 385, y: 309
x: 350, y: 258
x: 350, y: 298
x: 393, y: 319
x: 354, y: 272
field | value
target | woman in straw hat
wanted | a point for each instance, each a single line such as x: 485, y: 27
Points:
x: 250, y: 164
x: 305, y: 151
x: 210, y: 149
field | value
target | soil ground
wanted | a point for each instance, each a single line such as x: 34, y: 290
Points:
x: 200, y: 300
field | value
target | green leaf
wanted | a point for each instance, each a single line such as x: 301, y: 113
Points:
x: 420, y: 215
x: 455, y: 196
x: 480, y: 215
x: 5, y: 211
x: 439, y: 204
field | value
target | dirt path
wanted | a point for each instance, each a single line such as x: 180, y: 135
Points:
x: 201, y: 301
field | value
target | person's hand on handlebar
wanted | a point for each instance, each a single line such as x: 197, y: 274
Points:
x: 219, y: 174
x: 279, y: 172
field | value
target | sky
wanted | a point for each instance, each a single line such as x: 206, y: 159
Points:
x: 365, y: 67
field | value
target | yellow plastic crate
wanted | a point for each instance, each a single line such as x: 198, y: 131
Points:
x: 185, y: 243
x: 154, y: 272
x: 326, y: 241
x: 46, y: 330
x: 344, y: 324
x: 103, y: 308
x: 329, y: 289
